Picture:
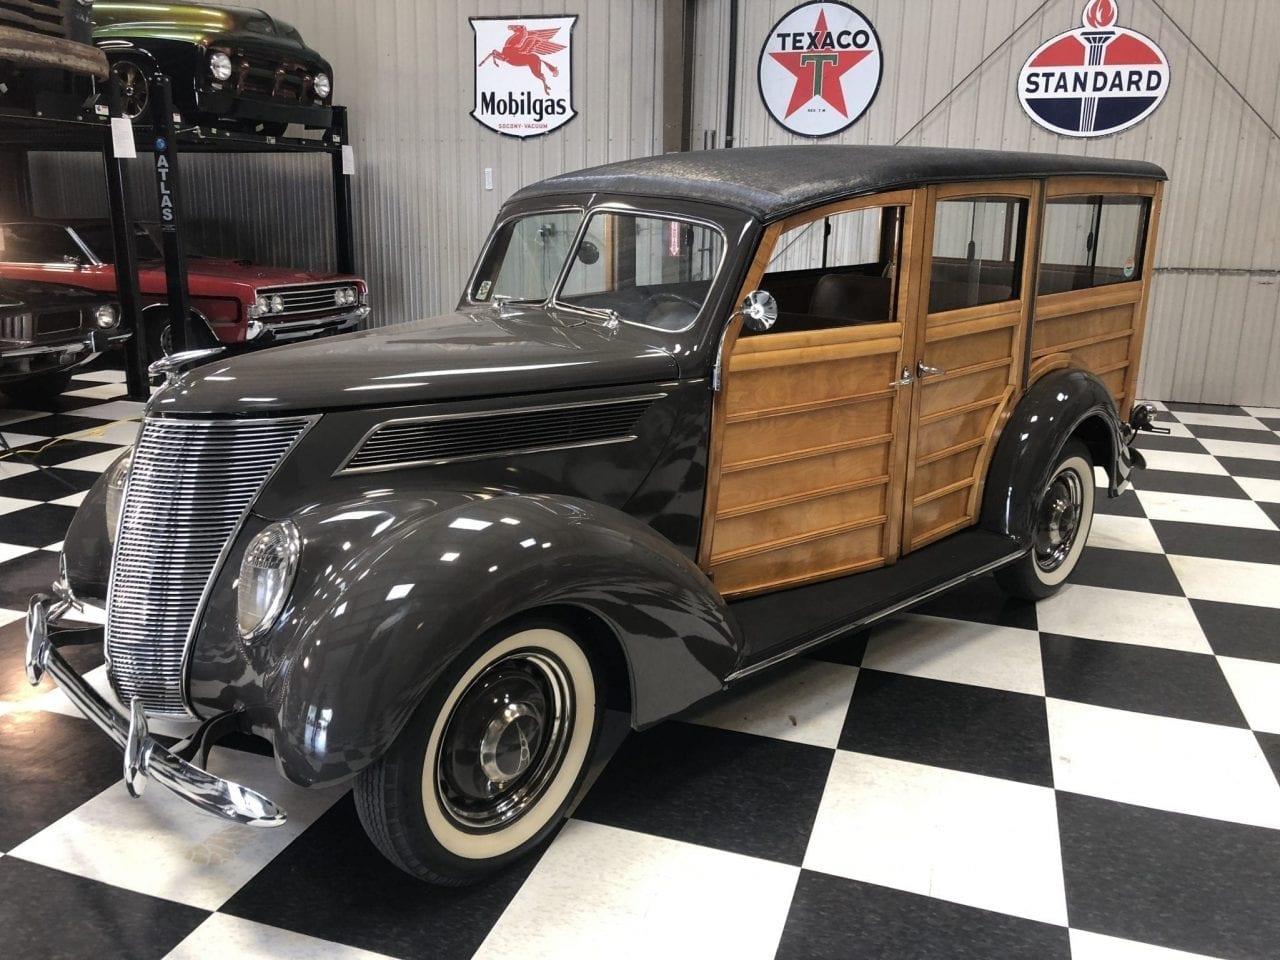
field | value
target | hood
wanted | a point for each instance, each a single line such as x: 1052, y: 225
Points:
x: 253, y: 273
x: 478, y: 352
x: 22, y: 295
x: 199, y: 23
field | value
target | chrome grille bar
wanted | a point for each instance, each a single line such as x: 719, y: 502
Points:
x: 421, y: 441
x: 190, y: 488
x: 307, y: 298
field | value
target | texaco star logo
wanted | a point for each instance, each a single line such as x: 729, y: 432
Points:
x: 820, y: 68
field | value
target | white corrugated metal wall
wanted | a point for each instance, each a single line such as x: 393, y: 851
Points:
x: 949, y: 80
x: 404, y: 69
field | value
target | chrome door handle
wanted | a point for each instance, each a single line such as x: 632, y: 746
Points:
x: 905, y: 380
x: 924, y: 370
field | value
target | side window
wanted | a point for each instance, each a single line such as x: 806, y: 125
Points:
x: 837, y: 271
x: 1092, y: 242
x: 37, y: 243
x: 977, y: 252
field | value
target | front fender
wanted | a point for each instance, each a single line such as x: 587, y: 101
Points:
x: 1058, y: 406
x: 390, y: 590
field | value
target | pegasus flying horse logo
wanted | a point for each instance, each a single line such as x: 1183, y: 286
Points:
x: 536, y: 96
x: 526, y: 48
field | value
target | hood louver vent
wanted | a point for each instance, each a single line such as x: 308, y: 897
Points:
x: 434, y: 440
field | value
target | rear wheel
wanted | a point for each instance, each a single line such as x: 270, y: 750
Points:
x: 1064, y: 516
x: 490, y: 762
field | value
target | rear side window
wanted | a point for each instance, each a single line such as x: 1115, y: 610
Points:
x: 1092, y: 242
x: 977, y: 252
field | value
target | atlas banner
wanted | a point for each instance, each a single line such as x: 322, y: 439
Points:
x: 1096, y: 80
x: 820, y: 68
x: 523, y: 74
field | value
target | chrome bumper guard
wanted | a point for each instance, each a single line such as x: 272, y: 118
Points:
x: 144, y: 756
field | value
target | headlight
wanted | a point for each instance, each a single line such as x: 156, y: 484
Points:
x: 219, y: 66
x: 266, y: 574
x: 117, y: 475
x: 277, y: 304
x: 106, y: 316
x: 321, y: 85
x: 344, y: 296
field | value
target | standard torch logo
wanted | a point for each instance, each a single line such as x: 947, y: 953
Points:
x: 1095, y: 80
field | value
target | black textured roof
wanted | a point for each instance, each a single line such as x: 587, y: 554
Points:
x: 771, y: 182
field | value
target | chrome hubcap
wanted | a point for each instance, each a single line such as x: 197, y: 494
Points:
x: 505, y: 739
x: 1059, y: 520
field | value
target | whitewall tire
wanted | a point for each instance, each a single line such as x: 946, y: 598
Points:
x: 490, y: 762
x: 1063, y: 519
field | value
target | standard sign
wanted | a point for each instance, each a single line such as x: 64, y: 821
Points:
x: 820, y: 68
x: 524, y: 74
x: 1096, y: 80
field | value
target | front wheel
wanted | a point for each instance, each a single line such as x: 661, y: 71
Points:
x: 490, y: 762
x: 1064, y: 516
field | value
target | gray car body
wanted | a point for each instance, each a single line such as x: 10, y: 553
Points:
x: 389, y: 590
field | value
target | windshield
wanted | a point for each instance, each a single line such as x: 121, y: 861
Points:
x: 650, y: 270
x: 97, y: 237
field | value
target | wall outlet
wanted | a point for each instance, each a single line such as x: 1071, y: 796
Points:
x: 488, y: 178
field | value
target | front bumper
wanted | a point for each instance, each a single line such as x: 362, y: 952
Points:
x: 287, y: 331
x: 145, y: 757
x: 229, y: 105
x: 32, y: 359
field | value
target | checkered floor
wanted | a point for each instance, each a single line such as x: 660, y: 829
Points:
x: 1093, y: 776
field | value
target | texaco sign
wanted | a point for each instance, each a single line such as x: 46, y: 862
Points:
x: 820, y: 68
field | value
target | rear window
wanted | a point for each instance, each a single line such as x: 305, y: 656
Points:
x: 1092, y: 242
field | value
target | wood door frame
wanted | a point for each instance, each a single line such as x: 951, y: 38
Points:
x: 905, y: 284
x: 1031, y: 191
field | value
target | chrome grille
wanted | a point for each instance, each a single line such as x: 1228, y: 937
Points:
x: 40, y: 16
x: 307, y: 298
x: 17, y: 326
x: 432, y: 440
x: 190, y: 488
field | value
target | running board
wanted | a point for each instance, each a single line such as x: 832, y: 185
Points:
x: 778, y: 626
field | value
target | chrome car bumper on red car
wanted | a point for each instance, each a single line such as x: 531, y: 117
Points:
x: 145, y: 757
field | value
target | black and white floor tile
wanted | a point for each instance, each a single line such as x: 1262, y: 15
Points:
x: 1096, y: 776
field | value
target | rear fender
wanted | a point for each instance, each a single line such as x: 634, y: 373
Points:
x: 1061, y: 405
x: 389, y: 591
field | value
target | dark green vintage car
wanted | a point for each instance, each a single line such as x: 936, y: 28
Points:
x: 230, y: 66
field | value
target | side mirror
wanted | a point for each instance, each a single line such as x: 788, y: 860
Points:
x: 759, y: 311
x: 588, y: 252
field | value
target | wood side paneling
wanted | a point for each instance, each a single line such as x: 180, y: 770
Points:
x: 806, y: 480
x: 958, y: 412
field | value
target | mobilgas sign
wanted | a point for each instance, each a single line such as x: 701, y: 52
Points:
x: 1096, y: 80
x: 820, y: 68
x: 523, y: 73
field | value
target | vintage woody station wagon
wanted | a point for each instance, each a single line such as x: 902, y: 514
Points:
x: 694, y: 414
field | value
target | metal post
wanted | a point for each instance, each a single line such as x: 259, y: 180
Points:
x: 126, y: 256
x: 167, y: 191
x: 343, y: 225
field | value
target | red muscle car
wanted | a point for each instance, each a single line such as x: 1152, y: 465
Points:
x: 240, y: 303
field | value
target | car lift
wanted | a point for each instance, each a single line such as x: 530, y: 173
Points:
x: 87, y: 127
